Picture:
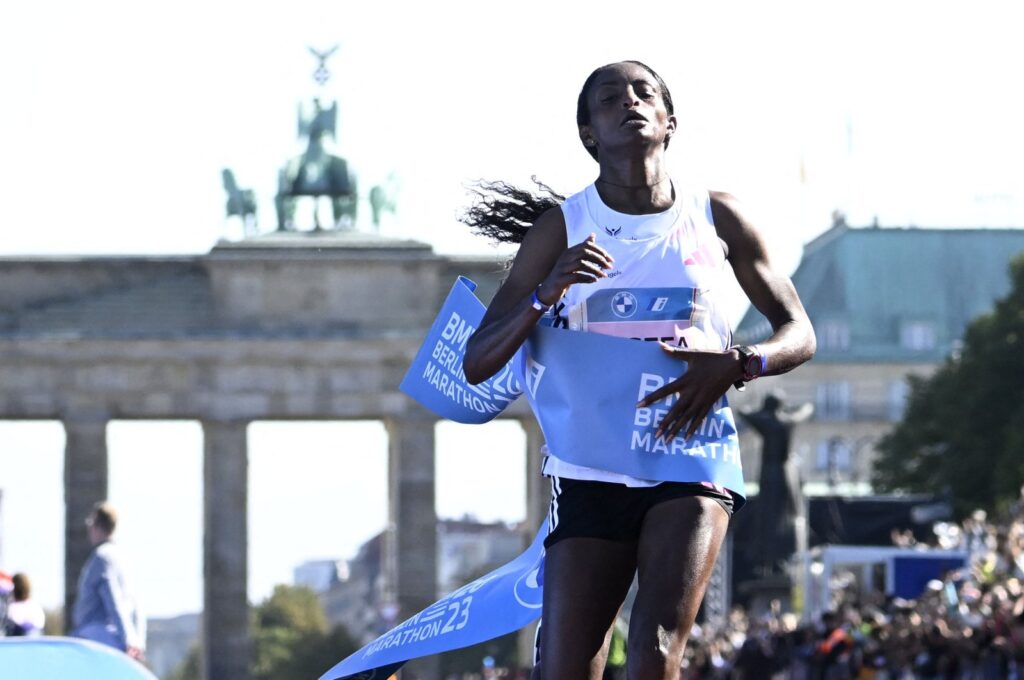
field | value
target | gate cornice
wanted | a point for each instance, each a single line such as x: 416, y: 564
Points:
x: 248, y: 332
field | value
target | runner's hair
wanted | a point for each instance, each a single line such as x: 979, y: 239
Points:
x: 503, y: 212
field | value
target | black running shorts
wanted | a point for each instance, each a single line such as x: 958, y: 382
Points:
x: 589, y: 509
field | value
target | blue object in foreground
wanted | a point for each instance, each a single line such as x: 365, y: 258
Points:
x: 435, y: 378
x: 501, y: 602
x: 589, y: 415
x: 60, y: 657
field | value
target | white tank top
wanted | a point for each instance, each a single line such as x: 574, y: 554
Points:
x: 663, y: 285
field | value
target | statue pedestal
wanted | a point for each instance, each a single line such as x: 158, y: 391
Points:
x: 761, y: 591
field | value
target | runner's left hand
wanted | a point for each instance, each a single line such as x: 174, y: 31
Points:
x: 708, y: 376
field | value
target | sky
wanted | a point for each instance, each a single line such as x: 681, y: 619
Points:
x: 118, y: 117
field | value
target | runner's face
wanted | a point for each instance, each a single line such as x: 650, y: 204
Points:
x: 626, y: 111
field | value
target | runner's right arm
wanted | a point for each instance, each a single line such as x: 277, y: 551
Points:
x: 543, y: 264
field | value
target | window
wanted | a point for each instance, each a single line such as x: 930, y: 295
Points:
x: 834, y: 335
x: 834, y: 455
x: 918, y: 336
x: 898, y: 393
x: 833, y: 401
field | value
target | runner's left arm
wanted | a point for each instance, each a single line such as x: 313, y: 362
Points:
x: 709, y: 374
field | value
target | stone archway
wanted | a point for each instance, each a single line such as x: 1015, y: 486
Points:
x: 276, y: 328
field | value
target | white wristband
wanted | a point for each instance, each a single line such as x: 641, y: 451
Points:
x: 537, y: 304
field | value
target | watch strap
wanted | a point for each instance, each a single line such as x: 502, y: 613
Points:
x: 753, y: 363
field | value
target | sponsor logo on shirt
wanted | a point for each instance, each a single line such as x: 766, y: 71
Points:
x: 624, y: 304
x: 657, y: 304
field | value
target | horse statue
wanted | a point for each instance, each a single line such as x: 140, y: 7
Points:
x: 317, y: 173
x: 241, y: 202
x: 383, y: 198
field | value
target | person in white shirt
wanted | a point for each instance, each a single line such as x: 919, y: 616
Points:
x: 25, y: 616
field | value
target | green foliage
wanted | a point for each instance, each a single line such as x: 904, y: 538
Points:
x: 293, y: 607
x: 189, y: 668
x: 963, y: 430
x: 292, y: 639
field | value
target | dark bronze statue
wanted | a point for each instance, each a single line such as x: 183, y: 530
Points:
x: 317, y: 172
x: 383, y: 198
x: 779, y: 500
x: 241, y: 202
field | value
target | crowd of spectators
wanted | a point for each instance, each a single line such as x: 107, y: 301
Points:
x: 968, y: 625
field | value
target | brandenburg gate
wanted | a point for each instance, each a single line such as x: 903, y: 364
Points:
x: 313, y: 326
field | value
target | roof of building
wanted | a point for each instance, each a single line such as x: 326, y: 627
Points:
x: 896, y: 294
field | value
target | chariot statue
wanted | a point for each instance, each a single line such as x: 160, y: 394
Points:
x: 317, y: 173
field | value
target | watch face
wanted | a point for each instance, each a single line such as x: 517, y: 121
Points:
x: 752, y: 367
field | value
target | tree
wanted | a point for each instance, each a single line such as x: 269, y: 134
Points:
x: 963, y: 429
x: 292, y: 639
x: 189, y: 668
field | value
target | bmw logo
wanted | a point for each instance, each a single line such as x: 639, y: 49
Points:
x: 624, y: 304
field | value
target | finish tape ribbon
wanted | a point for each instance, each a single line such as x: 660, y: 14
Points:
x: 583, y: 388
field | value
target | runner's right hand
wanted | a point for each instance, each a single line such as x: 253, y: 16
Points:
x: 584, y: 262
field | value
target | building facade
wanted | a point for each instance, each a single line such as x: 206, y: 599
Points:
x: 466, y: 550
x: 886, y: 303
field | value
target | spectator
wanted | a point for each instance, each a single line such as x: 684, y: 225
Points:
x: 106, y: 610
x: 25, y: 617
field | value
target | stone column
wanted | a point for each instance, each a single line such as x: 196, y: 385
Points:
x: 538, y: 497
x: 85, y: 484
x: 225, y: 627
x: 411, y: 546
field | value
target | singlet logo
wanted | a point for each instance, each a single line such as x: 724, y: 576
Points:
x: 613, y: 231
x: 624, y: 304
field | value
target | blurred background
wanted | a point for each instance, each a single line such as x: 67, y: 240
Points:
x: 877, y: 145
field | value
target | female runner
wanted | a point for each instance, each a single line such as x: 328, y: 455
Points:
x: 632, y: 229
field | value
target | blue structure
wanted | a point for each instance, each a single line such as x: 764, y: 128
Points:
x: 58, y: 657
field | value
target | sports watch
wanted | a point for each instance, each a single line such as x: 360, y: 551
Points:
x: 752, y: 362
